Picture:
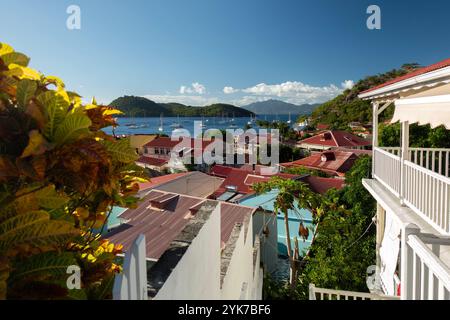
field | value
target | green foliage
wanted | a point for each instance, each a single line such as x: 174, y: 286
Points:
x: 141, y: 107
x: 298, y: 170
x: 419, y: 136
x: 347, y: 107
x: 60, y: 176
x: 344, y: 245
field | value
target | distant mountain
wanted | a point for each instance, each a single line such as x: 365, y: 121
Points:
x: 279, y: 107
x: 142, y: 107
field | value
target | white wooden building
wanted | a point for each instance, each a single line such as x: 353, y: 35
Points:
x: 412, y: 190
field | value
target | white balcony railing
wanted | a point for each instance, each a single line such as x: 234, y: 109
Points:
x: 387, y: 168
x: 329, y: 294
x: 422, y: 183
x: 428, y: 277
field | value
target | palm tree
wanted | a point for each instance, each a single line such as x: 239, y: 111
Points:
x: 291, y: 194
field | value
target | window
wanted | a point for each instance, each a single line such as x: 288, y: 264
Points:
x: 156, y: 150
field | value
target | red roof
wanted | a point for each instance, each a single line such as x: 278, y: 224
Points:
x: 156, y: 181
x: 167, y: 142
x: 336, y: 138
x: 161, y: 216
x: 323, y: 126
x: 336, y: 162
x: 442, y: 64
x: 322, y: 185
x: 152, y: 161
x: 241, y: 179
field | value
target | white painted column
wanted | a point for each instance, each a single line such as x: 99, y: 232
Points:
x: 407, y: 262
x: 404, y: 156
x: 374, y: 132
x: 381, y: 217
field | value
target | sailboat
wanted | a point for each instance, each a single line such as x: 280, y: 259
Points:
x: 232, y: 124
x: 202, y: 124
x: 176, y: 125
x: 132, y: 124
x: 161, y: 127
x: 223, y: 120
x: 289, y: 121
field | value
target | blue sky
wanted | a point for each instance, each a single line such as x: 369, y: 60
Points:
x: 189, y: 51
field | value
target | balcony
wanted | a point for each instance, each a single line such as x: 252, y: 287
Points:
x: 420, y: 178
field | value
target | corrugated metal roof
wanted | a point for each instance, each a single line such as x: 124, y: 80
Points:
x: 161, y: 227
x: 336, y: 138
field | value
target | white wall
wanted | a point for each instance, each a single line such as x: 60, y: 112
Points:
x: 197, y: 275
x: 269, y: 244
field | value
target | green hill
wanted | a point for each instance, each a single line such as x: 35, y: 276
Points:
x: 347, y: 107
x: 143, y: 107
x: 272, y: 106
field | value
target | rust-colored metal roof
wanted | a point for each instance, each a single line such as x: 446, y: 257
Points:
x: 336, y: 138
x: 337, y: 162
x: 242, y: 179
x: 162, y: 226
x: 322, y: 185
x: 157, y: 162
x: 156, y: 181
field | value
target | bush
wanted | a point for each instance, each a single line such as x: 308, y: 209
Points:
x: 60, y: 175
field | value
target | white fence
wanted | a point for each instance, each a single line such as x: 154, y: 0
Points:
x: 131, y: 284
x: 387, y: 168
x: 329, y: 294
x: 436, y: 160
x: 425, y: 189
x: 426, y: 276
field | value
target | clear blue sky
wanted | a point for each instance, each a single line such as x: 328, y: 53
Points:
x: 297, y: 51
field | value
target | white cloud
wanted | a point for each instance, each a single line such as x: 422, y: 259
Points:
x: 229, y: 90
x: 195, y: 88
x: 295, y: 92
x: 348, y: 84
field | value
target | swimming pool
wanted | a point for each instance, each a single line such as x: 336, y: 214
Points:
x: 295, y: 217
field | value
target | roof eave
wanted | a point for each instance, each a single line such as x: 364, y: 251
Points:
x: 429, y: 79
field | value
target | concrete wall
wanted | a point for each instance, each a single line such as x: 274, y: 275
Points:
x: 268, y: 243
x: 197, y: 275
x: 238, y: 278
x: 195, y: 184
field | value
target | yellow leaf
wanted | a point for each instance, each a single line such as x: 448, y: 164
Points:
x: 36, y: 144
x: 5, y: 48
x: 111, y: 112
x: 90, y: 106
x: 22, y: 72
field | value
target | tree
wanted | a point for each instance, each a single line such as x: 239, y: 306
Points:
x: 60, y: 176
x: 291, y: 193
x: 344, y: 245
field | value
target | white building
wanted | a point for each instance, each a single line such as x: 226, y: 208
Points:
x: 190, y: 248
x: 412, y: 190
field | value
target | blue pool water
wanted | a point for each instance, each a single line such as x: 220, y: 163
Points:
x: 266, y: 201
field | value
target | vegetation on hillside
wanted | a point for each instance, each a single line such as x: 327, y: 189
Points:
x: 133, y: 106
x: 60, y: 175
x: 344, y: 244
x: 347, y: 107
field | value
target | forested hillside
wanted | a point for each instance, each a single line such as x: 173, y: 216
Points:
x: 347, y: 107
x: 142, y: 107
